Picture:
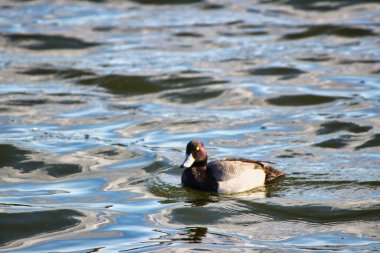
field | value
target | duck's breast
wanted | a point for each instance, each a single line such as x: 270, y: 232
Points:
x: 237, y: 176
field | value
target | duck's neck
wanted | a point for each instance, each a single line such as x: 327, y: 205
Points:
x: 200, y: 164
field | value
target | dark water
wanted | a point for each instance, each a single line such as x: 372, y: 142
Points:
x: 99, y: 98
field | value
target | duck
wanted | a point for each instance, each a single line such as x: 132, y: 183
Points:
x: 227, y: 176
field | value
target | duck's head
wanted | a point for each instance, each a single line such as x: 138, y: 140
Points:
x: 196, y: 154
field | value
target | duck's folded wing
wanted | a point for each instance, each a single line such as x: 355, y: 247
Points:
x: 222, y: 170
x: 245, y: 160
x: 271, y: 173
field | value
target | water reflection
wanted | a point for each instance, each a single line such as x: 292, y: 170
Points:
x: 59, y: 73
x: 340, y: 31
x: 320, y: 5
x: 336, y: 126
x: 16, y: 158
x: 15, y: 226
x: 167, y: 1
x: 285, y: 72
x: 302, y: 100
x: 191, y: 234
x: 138, y: 85
x: 373, y: 142
x: 47, y: 42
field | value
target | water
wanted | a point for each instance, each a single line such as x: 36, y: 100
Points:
x: 99, y: 98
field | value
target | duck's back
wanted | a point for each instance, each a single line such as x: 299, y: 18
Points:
x: 234, y: 175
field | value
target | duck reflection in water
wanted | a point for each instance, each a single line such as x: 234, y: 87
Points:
x: 193, y: 234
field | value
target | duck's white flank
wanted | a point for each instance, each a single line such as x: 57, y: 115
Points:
x: 248, y: 179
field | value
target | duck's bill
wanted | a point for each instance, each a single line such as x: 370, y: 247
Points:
x: 189, y: 160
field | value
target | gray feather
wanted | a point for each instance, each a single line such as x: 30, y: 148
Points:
x: 223, y: 170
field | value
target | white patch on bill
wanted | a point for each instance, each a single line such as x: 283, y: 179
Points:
x: 189, y: 160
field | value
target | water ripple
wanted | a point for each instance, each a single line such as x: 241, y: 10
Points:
x: 98, y: 99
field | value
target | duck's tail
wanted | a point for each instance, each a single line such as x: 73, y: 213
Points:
x: 271, y: 173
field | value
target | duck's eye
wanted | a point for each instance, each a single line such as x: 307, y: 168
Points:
x: 198, y: 148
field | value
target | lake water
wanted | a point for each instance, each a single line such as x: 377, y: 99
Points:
x: 98, y: 100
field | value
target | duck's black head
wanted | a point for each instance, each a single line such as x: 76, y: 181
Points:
x: 196, y: 155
